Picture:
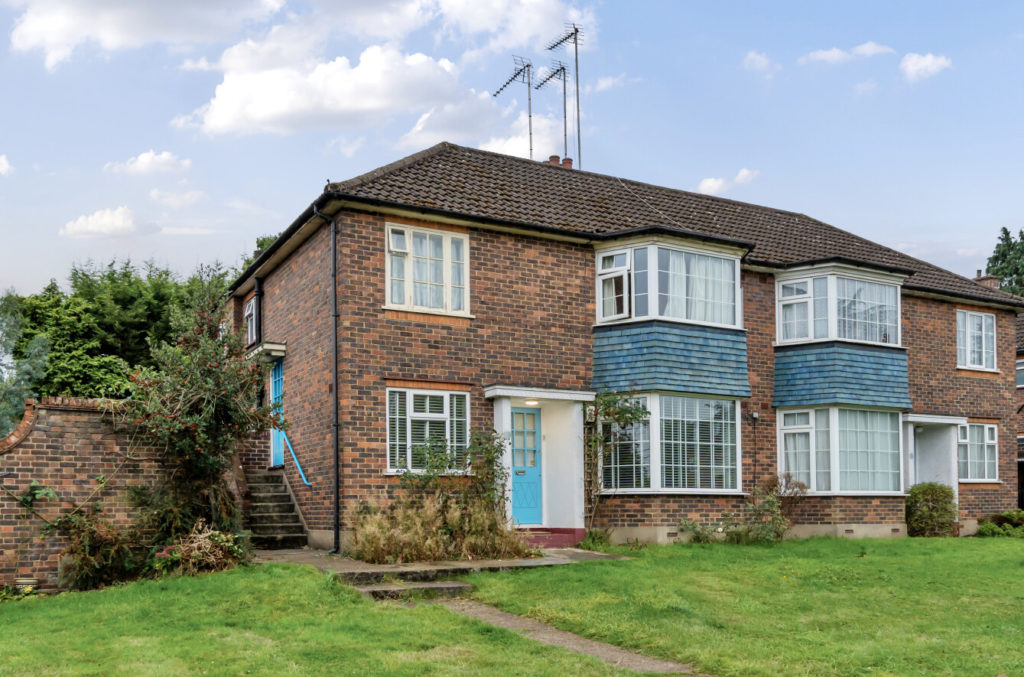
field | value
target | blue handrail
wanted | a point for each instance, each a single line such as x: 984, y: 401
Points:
x: 295, y: 458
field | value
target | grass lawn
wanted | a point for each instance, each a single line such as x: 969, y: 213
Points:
x: 815, y: 607
x: 268, y: 620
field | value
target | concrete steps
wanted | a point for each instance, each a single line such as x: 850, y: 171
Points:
x: 405, y: 589
x: 273, y: 519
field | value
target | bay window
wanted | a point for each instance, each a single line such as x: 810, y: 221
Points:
x: 419, y: 418
x: 427, y: 270
x: 657, y: 281
x: 975, y: 340
x: 688, y: 444
x: 850, y: 450
x: 978, y: 452
x: 833, y: 306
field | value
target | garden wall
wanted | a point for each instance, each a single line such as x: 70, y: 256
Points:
x: 65, y: 444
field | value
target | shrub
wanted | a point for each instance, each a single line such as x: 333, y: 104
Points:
x: 98, y: 552
x: 202, y: 549
x: 931, y: 510
x: 595, y: 539
x: 1004, y: 524
x: 762, y: 521
x: 789, y: 491
x: 443, y: 512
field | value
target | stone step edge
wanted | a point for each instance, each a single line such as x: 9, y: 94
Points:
x: 403, y: 589
x: 429, y: 574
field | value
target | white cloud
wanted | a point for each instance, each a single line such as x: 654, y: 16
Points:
x: 342, y: 146
x: 547, y: 137
x: 176, y: 200
x: 459, y: 121
x: 758, y: 62
x: 872, y: 48
x: 273, y: 88
x: 866, y: 87
x: 917, y: 67
x: 150, y: 162
x: 717, y: 186
x: 59, y: 27
x: 103, y: 223
x: 834, y: 55
x: 6, y: 168
x: 605, y: 83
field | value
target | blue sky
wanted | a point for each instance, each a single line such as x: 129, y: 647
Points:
x: 181, y: 131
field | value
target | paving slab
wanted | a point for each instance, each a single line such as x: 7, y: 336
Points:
x: 547, y: 634
x: 357, y: 572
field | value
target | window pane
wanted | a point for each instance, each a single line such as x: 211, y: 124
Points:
x: 398, y: 240
x: 794, y: 289
x: 628, y: 463
x: 458, y: 439
x: 613, y: 296
x: 821, y: 307
x: 866, y: 311
x: 794, y: 321
x: 977, y: 453
x: 796, y: 418
x: 796, y: 456
x: 869, y: 452
x: 1020, y: 373
x: 612, y: 261
x: 397, y: 429
x: 961, y: 338
x: 640, y: 298
x: 698, y: 443
x: 822, y: 457
x: 457, y: 247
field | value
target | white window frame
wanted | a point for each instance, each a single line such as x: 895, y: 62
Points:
x: 968, y: 314
x: 832, y: 273
x: 622, y: 272
x: 834, y: 452
x: 249, y: 316
x: 652, y: 246
x: 1018, y: 372
x: 406, y: 303
x: 654, y: 422
x: 409, y: 416
x: 990, y: 437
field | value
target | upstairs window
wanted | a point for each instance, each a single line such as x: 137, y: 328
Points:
x: 1020, y: 373
x: 428, y: 270
x: 978, y: 452
x: 249, y: 316
x: 663, y: 282
x: 975, y: 340
x: 833, y: 306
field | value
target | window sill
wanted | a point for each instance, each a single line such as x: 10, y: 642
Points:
x: 803, y: 342
x: 427, y: 311
x: 980, y: 370
x: 637, y: 320
x: 400, y: 473
x: 980, y: 481
x: 853, y: 494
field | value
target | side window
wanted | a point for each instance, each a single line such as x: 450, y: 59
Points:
x: 975, y: 340
x: 613, y: 285
x: 250, y: 321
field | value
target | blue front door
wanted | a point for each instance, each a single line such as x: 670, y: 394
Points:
x: 527, y: 501
x: 276, y: 394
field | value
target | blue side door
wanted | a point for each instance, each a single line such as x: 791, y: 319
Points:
x: 276, y: 394
x: 527, y: 496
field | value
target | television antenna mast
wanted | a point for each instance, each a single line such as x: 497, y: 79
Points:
x: 573, y: 33
x: 523, y: 73
x: 558, y: 72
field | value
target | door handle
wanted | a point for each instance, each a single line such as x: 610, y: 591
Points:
x: 520, y: 472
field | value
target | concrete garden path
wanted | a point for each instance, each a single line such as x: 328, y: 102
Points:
x: 390, y: 581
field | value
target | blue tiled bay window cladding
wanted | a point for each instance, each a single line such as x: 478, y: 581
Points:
x: 841, y: 373
x: 658, y: 355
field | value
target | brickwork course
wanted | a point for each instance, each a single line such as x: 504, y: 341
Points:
x: 532, y: 296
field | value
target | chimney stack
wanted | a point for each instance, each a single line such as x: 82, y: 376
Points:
x: 553, y: 160
x: 991, y: 281
x: 567, y: 162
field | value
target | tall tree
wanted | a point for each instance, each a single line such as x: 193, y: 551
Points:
x: 1007, y: 262
x: 18, y: 377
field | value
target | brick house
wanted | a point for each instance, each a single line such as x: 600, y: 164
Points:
x: 476, y: 290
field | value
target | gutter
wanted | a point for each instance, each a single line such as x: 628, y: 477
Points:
x: 334, y: 372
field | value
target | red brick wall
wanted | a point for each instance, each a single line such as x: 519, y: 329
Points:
x: 938, y: 387
x: 64, y: 444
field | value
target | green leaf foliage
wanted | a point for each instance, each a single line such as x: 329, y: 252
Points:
x: 197, y: 404
x: 931, y: 510
x: 1007, y: 261
x: 18, y: 376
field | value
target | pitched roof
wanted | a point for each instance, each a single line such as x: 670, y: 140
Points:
x: 448, y: 178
